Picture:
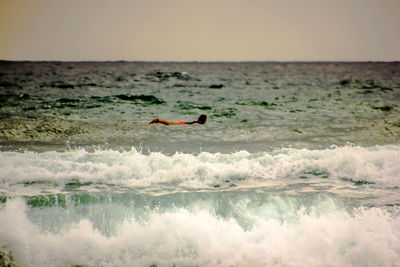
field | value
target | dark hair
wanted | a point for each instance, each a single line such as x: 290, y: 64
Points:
x: 202, y: 119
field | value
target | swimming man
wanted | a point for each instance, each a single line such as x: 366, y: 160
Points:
x: 201, y: 120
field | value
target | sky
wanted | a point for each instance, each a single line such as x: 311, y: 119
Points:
x: 200, y: 30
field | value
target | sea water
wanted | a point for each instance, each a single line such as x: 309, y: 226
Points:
x: 297, y: 165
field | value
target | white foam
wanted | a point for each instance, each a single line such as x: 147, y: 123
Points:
x: 134, y: 169
x: 368, y: 237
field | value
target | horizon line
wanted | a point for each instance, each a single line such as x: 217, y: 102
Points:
x: 202, y: 61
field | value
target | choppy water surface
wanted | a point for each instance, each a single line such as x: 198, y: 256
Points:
x: 298, y: 164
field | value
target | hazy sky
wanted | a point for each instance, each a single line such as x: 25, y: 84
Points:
x: 200, y: 30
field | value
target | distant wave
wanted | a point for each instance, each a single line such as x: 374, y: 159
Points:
x: 132, y: 169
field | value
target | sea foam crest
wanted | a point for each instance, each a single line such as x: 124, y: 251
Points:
x: 378, y: 164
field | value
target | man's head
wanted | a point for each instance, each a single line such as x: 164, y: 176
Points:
x: 202, y: 119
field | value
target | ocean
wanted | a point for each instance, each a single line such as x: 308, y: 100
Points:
x: 297, y: 165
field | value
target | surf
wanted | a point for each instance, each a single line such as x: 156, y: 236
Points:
x: 156, y: 171
x: 281, y: 235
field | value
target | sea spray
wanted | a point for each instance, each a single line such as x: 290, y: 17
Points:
x: 156, y: 172
x: 129, y: 208
x: 181, y: 236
